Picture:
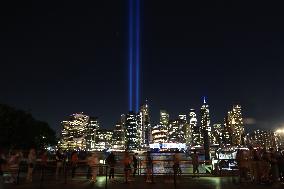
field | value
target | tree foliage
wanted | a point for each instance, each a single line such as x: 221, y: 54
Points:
x: 18, y: 129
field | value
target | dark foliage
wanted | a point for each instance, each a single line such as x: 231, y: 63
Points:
x: 18, y: 129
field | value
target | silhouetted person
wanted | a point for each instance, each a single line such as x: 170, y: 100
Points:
x: 176, y: 166
x: 59, y: 156
x: 149, y: 167
x: 93, y: 162
x: 195, y: 163
x: 43, y: 161
x: 31, y: 164
x: 274, y: 165
x: 135, y: 164
x: 111, y: 161
x: 74, y: 162
x: 127, y: 167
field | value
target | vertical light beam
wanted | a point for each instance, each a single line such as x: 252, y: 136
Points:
x: 137, y: 24
x: 130, y: 51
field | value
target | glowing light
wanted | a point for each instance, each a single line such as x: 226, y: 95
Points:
x: 130, y: 55
x: 280, y: 131
x: 137, y: 53
x: 204, y: 100
x: 134, y: 54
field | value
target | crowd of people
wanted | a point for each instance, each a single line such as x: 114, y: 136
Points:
x: 261, y: 165
x: 130, y: 161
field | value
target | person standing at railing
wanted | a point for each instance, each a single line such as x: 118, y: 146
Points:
x: 254, y: 157
x: 274, y: 165
x: 59, y: 162
x: 74, y: 162
x: 31, y: 164
x: 149, y: 167
x: 111, y: 161
x: 43, y: 161
x: 13, y: 165
x: 135, y: 163
x: 176, y: 166
x: 195, y: 163
x: 93, y: 162
x: 127, y: 168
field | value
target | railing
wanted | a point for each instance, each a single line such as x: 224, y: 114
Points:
x: 160, y: 167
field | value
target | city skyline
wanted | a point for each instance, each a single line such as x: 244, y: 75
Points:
x: 135, y: 132
x: 73, y: 57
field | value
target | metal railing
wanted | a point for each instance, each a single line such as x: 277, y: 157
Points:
x: 68, y: 172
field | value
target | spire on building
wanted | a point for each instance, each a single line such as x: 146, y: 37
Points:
x: 204, y: 100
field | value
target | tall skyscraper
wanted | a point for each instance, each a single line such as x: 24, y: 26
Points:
x: 78, y: 132
x: 118, y: 138
x: 164, y: 117
x: 182, y: 122
x: 176, y: 130
x: 173, y: 129
x: 182, y: 118
x: 104, y: 139
x: 196, y: 141
x: 205, y: 122
x: 91, y: 130
x: 264, y: 139
x: 145, y: 125
x: 131, y: 131
x: 234, y: 126
x: 280, y: 137
x: 159, y: 133
x: 217, y: 134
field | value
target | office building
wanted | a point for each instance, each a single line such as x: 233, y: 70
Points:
x: 131, y: 131
x: 104, y: 139
x: 205, y: 127
x: 78, y: 132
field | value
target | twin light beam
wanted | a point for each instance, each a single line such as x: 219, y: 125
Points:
x: 134, y: 54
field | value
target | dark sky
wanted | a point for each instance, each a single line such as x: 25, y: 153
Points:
x: 62, y: 57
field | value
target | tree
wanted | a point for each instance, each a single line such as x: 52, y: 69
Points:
x: 18, y: 129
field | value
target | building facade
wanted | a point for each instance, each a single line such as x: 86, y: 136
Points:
x: 159, y: 133
x: 205, y: 127
x: 104, y: 139
x: 262, y: 139
x: 146, y: 136
x: 234, y: 127
x: 118, y: 137
x: 78, y: 132
x: 131, y: 132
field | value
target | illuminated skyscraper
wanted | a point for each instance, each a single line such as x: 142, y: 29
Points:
x: 131, y: 131
x: 173, y: 135
x: 78, y: 132
x: 145, y: 125
x: 176, y: 131
x: 217, y: 134
x: 280, y: 137
x: 104, y: 139
x: 182, y: 118
x: 182, y: 122
x: 264, y: 139
x: 164, y: 117
x: 196, y: 141
x: 234, y: 126
x: 118, y: 138
x: 188, y: 134
x: 91, y: 129
x: 159, y: 133
x: 205, y: 128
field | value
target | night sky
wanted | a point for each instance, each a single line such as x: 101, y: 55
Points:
x: 58, y: 58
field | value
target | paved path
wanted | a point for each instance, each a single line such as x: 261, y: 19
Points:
x: 139, y: 183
